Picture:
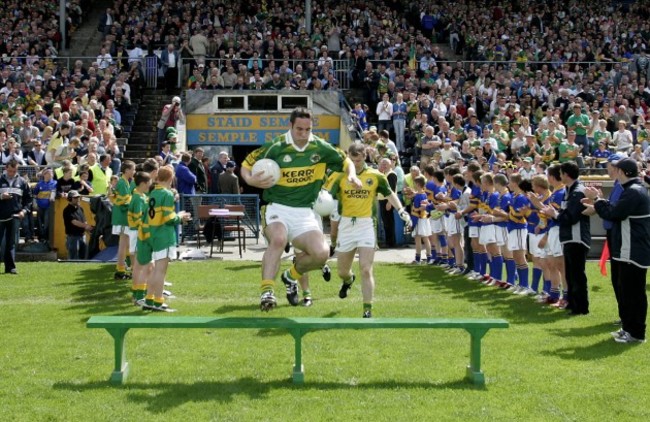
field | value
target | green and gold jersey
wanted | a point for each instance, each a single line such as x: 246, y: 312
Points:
x: 159, y: 220
x: 137, y: 208
x: 302, y: 172
x: 360, y: 203
x: 568, y: 152
x: 121, y: 201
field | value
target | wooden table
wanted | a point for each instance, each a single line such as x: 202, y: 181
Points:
x: 220, y: 213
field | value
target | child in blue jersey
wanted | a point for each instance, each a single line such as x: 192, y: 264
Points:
x: 419, y: 216
x: 449, y: 218
x: 552, y: 246
x: 537, y: 229
x: 460, y: 202
x: 517, y: 228
x: 45, y: 192
x: 431, y: 189
x: 437, y: 220
x: 501, y: 212
x: 478, y: 251
x: 488, y: 235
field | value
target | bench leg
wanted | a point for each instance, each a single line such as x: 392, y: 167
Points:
x: 298, y: 368
x: 474, y: 373
x: 121, y: 370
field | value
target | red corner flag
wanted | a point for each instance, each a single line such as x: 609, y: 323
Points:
x: 604, y: 256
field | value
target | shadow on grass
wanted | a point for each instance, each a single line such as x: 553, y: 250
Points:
x: 225, y: 309
x: 514, y: 308
x: 588, y: 331
x: 162, y: 397
x: 603, y: 349
x: 244, y: 267
x: 96, y: 292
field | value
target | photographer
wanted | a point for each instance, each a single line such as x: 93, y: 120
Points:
x: 171, y: 114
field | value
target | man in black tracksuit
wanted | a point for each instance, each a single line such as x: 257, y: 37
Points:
x: 15, y: 203
x: 630, y: 247
x: 575, y: 237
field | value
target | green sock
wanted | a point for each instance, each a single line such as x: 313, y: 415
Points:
x: 367, y: 306
x: 306, y: 293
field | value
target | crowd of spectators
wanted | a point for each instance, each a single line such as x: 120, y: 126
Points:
x: 526, y: 66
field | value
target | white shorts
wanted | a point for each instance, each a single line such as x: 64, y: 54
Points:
x: 553, y: 246
x: 474, y: 232
x: 437, y: 225
x: 356, y: 233
x: 118, y: 230
x: 533, y: 245
x: 517, y: 239
x: 335, y: 216
x: 133, y: 240
x: 165, y: 253
x: 448, y: 219
x: 502, y: 235
x: 422, y: 228
x: 488, y: 234
x: 455, y: 226
x: 297, y: 221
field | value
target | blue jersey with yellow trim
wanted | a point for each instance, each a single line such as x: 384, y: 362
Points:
x: 517, y: 213
x: 504, y: 205
x: 556, y: 201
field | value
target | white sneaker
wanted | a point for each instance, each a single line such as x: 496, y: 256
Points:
x: 491, y: 281
x: 515, y: 290
x: 627, y: 338
x: 456, y: 271
x: 620, y: 333
x: 526, y: 291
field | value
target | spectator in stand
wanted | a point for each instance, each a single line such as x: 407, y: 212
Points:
x: 228, y: 180
x: 197, y: 168
x: 185, y: 179
x: 217, y: 169
x: 170, y: 60
x: 172, y: 114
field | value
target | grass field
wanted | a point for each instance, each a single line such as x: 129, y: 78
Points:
x: 547, y: 366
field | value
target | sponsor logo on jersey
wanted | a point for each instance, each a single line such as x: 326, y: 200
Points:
x: 315, y: 158
x: 286, y: 159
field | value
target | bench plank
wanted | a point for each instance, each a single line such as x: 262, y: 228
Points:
x: 118, y: 326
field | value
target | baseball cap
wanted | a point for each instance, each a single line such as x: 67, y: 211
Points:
x: 628, y: 166
x: 231, y: 164
x: 176, y: 100
x: 614, y: 158
x: 447, y: 141
x: 528, y: 160
x: 73, y: 194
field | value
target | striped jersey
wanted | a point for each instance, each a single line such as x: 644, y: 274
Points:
x: 137, y: 208
x: 159, y: 220
x: 121, y: 200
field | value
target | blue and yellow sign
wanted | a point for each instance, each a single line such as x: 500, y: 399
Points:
x: 251, y: 129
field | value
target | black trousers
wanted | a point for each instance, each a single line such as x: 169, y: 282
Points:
x: 575, y: 258
x: 614, y: 267
x: 634, y: 302
x: 8, y: 235
x: 171, y: 80
x: 388, y: 221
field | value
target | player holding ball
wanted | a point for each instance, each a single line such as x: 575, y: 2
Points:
x: 288, y: 217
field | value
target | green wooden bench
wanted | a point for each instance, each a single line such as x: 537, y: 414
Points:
x: 117, y: 326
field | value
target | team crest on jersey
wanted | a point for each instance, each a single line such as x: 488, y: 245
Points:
x: 286, y: 159
x: 314, y: 158
x: 369, y: 182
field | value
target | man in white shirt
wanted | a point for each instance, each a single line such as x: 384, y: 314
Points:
x: 384, y: 114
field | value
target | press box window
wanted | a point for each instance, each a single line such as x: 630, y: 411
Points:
x: 289, y: 103
x: 231, y: 103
